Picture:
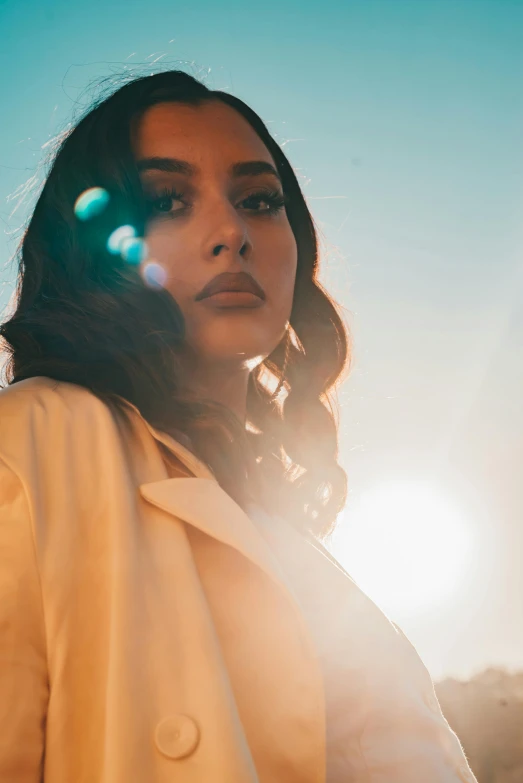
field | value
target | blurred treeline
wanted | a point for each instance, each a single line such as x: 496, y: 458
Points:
x: 486, y: 712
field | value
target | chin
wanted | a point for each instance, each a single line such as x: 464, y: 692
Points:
x: 235, y: 349
x: 236, y: 357
x: 239, y: 347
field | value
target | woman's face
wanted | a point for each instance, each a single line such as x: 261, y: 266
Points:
x: 212, y: 214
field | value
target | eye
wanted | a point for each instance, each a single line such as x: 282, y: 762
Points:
x: 161, y: 202
x: 273, y: 200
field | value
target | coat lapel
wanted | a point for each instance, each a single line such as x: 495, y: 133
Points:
x: 201, y: 502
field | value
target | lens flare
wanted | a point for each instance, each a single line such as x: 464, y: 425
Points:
x: 133, y: 250
x: 91, y: 203
x: 115, y: 241
x: 153, y: 274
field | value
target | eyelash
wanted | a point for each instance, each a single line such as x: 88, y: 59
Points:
x: 273, y: 198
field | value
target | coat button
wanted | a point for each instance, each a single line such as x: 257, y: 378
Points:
x: 177, y: 736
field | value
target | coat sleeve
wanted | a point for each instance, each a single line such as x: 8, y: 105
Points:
x: 23, y: 666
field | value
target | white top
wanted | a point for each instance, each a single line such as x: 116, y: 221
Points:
x: 384, y: 722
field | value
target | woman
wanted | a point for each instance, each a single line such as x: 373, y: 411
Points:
x: 168, y: 467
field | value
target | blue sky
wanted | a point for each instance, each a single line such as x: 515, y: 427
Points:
x: 404, y: 121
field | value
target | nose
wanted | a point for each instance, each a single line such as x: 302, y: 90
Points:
x: 243, y: 252
x: 228, y: 235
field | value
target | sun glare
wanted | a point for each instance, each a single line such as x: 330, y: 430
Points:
x: 405, y: 544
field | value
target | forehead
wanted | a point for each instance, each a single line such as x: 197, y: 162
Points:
x: 209, y: 131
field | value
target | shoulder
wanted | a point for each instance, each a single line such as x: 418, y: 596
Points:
x: 43, y: 394
x: 40, y: 414
x: 41, y: 401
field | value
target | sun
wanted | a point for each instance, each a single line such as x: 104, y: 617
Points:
x: 405, y: 544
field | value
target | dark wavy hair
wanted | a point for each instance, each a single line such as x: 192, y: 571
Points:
x: 85, y: 316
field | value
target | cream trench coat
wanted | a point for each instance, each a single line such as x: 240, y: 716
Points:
x: 147, y: 633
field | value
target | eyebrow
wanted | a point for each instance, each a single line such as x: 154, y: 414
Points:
x: 247, y: 168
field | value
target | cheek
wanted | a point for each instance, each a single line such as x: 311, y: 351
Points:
x: 280, y: 276
x: 167, y: 249
x: 164, y: 247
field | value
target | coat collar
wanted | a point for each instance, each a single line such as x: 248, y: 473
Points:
x: 201, y: 501
x: 183, y: 453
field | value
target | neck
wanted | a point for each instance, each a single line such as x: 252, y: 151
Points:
x: 223, y: 384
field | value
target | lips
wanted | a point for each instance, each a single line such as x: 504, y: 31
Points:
x: 231, y: 281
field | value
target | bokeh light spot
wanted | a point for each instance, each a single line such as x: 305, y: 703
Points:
x: 133, y: 250
x: 114, y: 243
x: 91, y: 203
x: 153, y: 274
